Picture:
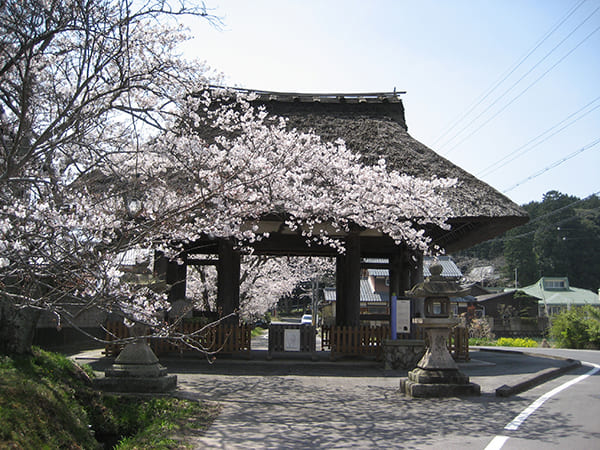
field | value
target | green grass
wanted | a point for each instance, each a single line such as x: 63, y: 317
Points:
x: 46, y: 402
x: 257, y: 331
x: 153, y: 423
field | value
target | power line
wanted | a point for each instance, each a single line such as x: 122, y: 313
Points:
x: 551, y: 213
x: 508, y: 73
x: 518, y: 81
x: 553, y: 165
x: 518, y: 153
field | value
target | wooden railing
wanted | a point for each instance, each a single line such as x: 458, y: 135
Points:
x: 223, y: 338
x: 360, y: 340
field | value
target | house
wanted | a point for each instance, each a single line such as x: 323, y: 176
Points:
x: 374, y: 305
x: 555, y: 294
x: 501, y: 305
x: 509, y: 313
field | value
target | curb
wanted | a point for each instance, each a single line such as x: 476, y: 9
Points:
x: 536, y: 379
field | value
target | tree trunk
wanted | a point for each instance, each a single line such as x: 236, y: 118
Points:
x: 17, y: 328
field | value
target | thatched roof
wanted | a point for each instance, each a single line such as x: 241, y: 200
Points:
x: 374, y: 125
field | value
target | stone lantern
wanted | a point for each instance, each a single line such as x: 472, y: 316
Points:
x: 437, y: 374
x: 137, y: 369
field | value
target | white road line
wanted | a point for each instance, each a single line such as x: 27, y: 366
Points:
x: 499, y: 441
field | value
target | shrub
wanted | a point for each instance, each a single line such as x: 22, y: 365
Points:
x: 516, y: 342
x: 481, y: 341
x: 578, y: 327
x: 480, y: 329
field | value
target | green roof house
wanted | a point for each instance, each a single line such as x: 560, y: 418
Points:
x: 554, y: 294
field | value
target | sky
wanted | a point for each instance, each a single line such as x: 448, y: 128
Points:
x: 509, y: 90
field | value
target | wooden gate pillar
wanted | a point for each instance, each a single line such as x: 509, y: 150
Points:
x: 340, y: 293
x: 347, y: 306
x: 396, y: 275
x: 416, y: 269
x: 416, y: 276
x: 176, y: 275
x: 228, y: 279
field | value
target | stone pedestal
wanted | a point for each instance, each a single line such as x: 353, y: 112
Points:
x: 137, y: 369
x: 437, y: 375
x: 402, y: 353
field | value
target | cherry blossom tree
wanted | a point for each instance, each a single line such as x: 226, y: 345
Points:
x: 111, y: 142
x: 78, y: 80
x: 263, y: 282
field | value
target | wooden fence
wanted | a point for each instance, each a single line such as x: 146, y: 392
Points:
x: 222, y: 338
x: 365, y: 340
x: 458, y: 344
x: 360, y: 340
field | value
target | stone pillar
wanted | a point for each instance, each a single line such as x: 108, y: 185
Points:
x: 228, y: 279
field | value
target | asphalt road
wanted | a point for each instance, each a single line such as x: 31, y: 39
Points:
x: 364, y: 410
x: 300, y: 404
x: 568, y: 415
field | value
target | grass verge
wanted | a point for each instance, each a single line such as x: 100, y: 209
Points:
x: 47, y: 402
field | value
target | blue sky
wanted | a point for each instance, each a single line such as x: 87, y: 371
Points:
x: 446, y: 55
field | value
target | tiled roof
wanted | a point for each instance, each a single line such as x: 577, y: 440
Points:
x: 136, y: 256
x: 329, y: 294
x: 449, y: 268
x: 378, y: 272
x: 366, y: 294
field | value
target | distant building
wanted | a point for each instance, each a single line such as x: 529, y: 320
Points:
x: 554, y: 295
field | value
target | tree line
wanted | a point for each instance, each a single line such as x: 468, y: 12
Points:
x: 562, y: 238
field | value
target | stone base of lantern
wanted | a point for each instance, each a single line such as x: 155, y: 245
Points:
x: 437, y: 375
x: 137, y: 369
x: 438, y: 383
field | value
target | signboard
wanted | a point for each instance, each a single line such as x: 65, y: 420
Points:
x: 403, y: 316
x: 291, y: 340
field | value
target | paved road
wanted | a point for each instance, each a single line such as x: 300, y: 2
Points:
x: 293, y: 407
x: 304, y: 404
x: 568, y: 415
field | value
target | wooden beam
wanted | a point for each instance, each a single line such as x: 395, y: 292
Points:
x: 202, y: 262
